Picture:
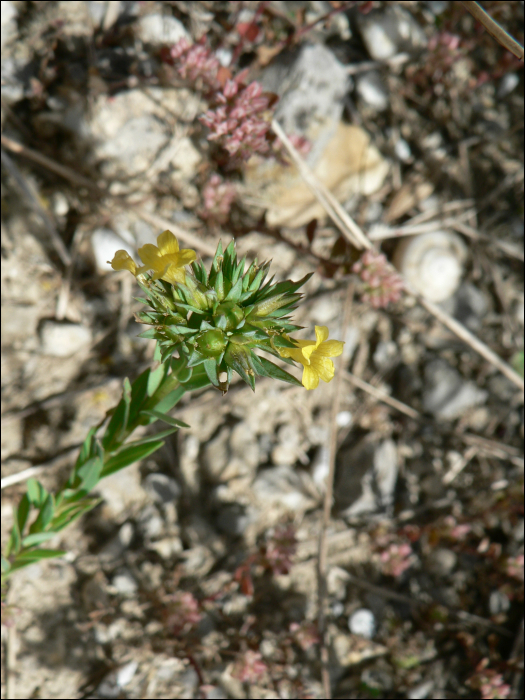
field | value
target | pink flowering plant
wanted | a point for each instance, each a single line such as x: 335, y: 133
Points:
x: 381, y: 283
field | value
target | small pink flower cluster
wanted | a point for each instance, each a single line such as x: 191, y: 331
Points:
x: 218, y: 197
x: 249, y: 667
x: 183, y: 613
x: 514, y: 567
x: 382, y: 283
x: 196, y: 63
x: 489, y: 682
x: 239, y: 123
x: 397, y: 559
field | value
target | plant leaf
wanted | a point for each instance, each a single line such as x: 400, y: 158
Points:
x: 128, y: 455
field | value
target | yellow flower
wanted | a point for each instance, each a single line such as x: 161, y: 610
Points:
x: 165, y: 259
x: 123, y: 261
x: 315, y: 356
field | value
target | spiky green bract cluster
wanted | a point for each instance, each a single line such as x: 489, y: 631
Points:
x: 218, y: 319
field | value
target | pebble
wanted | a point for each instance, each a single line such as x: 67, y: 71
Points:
x: 124, y: 583
x: 162, y: 488
x: 446, y: 395
x: 372, y: 91
x: 158, y: 29
x: 64, y: 339
x: 442, y: 561
x: 386, y: 31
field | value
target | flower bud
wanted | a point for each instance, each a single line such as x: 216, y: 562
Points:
x: 228, y: 316
x: 212, y: 343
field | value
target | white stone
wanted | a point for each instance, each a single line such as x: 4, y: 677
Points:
x: 64, y: 339
x: 362, y: 622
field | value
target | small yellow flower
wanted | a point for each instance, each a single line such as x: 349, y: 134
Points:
x: 123, y: 261
x: 165, y: 259
x: 315, y: 356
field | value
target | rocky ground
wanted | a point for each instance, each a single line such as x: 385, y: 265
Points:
x: 196, y: 576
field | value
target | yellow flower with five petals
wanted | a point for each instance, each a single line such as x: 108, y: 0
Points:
x: 315, y: 356
x: 165, y: 259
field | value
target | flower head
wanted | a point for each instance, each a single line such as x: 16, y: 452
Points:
x: 315, y: 356
x: 382, y: 284
x: 123, y: 261
x: 165, y: 259
x: 214, y: 320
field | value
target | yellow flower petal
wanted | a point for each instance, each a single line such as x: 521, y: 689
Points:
x: 330, y: 348
x: 123, y: 261
x: 323, y: 367
x: 150, y: 256
x: 307, y: 352
x: 310, y: 378
x: 186, y: 256
x: 321, y: 334
x: 294, y: 353
x: 168, y: 244
x: 174, y: 275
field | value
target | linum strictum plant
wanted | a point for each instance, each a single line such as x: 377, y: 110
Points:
x: 207, y: 325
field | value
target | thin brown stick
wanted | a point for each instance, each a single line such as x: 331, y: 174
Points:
x: 36, y: 157
x: 382, y: 396
x: 34, y: 203
x: 356, y: 236
x: 493, y: 28
x: 327, y: 507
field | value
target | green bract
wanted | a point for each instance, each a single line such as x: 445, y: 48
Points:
x: 219, y: 319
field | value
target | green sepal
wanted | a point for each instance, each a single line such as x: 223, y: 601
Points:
x: 195, y: 359
x: 219, y: 285
x: 235, y: 292
x: 210, y: 367
x: 150, y: 334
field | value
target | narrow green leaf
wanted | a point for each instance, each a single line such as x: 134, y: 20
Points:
x: 37, y: 538
x: 235, y: 292
x: 47, y: 510
x: 5, y: 565
x: 166, y: 419
x: 139, y: 394
x: 217, y: 260
x: 14, y: 542
x: 155, y: 379
x: 278, y: 373
x: 150, y: 334
x: 167, y: 403
x: 128, y: 455
x: 23, y: 511
x: 33, y: 555
x: 89, y: 474
x: 36, y: 492
x: 73, y: 512
x: 151, y: 438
